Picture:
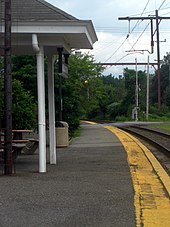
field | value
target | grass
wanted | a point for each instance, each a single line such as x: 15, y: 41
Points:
x: 165, y: 126
x: 76, y: 133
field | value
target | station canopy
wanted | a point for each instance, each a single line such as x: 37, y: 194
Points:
x: 54, y: 28
x: 38, y: 28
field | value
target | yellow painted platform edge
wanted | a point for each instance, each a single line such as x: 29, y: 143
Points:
x: 162, y: 174
x: 89, y: 122
x: 164, y: 177
x: 145, y: 216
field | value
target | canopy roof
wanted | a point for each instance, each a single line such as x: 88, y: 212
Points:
x: 54, y: 28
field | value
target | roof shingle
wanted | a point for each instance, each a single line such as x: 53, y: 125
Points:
x: 35, y: 10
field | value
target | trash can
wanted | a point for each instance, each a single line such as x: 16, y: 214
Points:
x: 62, y: 139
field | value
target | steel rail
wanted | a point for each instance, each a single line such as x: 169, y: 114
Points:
x: 164, y: 134
x: 151, y: 141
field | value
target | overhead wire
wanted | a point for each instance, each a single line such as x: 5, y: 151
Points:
x: 111, y: 43
x: 161, y: 5
x: 165, y: 13
x: 165, y: 8
x: 129, y: 34
x: 133, y: 29
x: 142, y: 32
x: 132, y: 46
x: 117, y: 49
x: 140, y: 35
x: 140, y: 15
x: 137, y: 23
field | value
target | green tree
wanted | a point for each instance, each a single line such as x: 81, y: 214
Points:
x: 129, y: 101
x: 164, y: 83
x: 23, y: 91
x: 115, y: 88
x: 23, y: 107
x: 76, y: 104
x: 98, y: 99
x: 165, y: 79
x: 24, y: 70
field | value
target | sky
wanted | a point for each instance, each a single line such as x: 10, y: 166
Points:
x: 121, y: 40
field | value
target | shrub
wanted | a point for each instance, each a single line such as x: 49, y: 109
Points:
x: 23, y: 106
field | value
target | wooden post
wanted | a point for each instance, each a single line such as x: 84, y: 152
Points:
x: 8, y: 91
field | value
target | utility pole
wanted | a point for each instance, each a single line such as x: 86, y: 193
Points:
x: 8, y: 91
x: 157, y: 19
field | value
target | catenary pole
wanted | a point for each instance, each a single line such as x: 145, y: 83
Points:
x: 157, y: 18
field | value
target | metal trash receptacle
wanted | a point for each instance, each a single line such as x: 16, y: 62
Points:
x: 62, y: 138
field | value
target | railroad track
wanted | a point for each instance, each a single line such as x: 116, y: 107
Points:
x: 157, y: 141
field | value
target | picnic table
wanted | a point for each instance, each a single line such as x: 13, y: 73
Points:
x: 19, y: 144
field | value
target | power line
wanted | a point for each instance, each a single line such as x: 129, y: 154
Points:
x: 161, y: 4
x: 149, y: 12
x: 157, y: 19
x: 132, y: 31
x: 126, y: 63
x: 129, y: 32
x: 140, y: 15
x: 140, y: 35
x: 117, y: 49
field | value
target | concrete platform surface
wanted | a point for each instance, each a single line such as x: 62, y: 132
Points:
x: 90, y: 186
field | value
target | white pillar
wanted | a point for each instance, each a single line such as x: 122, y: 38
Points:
x: 51, y: 109
x: 41, y: 110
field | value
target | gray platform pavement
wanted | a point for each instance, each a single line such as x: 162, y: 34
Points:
x: 89, y: 187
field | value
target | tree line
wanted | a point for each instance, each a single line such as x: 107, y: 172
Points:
x: 87, y: 93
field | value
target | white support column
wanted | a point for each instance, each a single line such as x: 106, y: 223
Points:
x: 51, y: 109
x: 41, y: 110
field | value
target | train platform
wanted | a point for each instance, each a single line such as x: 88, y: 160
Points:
x: 96, y: 183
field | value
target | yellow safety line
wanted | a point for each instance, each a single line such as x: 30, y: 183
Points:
x: 89, y: 122
x: 150, y: 181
